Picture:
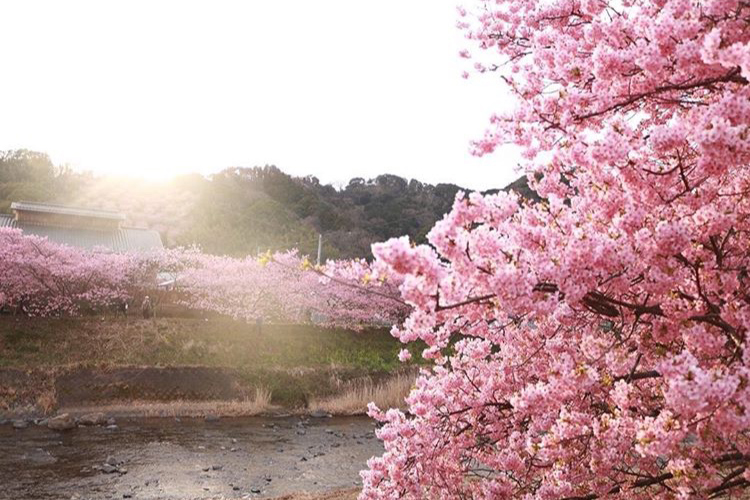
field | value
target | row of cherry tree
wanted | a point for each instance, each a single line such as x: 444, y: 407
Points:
x: 595, y: 344
x: 42, y: 278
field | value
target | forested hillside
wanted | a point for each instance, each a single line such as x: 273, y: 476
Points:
x: 31, y: 176
x: 241, y: 211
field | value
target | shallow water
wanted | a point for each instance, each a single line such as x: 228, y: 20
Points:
x: 166, y: 458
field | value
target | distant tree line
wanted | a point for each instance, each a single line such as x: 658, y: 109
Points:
x: 244, y: 211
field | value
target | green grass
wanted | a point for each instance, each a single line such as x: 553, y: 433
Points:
x: 37, y: 342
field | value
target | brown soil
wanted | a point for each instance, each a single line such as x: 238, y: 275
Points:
x: 198, y: 383
x: 52, y: 364
x: 334, y: 495
x: 190, y: 391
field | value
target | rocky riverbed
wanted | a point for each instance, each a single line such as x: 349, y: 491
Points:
x: 166, y: 458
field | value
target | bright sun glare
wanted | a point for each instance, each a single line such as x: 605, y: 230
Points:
x: 155, y: 89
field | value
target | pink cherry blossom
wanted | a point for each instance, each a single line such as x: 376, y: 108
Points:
x: 593, y: 344
x: 42, y: 278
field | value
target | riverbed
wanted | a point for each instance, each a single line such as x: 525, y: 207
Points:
x: 188, y: 458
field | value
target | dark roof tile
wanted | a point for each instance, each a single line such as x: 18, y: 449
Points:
x: 52, y: 208
x: 125, y: 239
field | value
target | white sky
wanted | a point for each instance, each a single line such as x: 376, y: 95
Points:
x: 336, y: 89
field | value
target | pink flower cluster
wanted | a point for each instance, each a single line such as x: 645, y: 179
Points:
x: 41, y: 278
x: 285, y: 287
x: 593, y: 344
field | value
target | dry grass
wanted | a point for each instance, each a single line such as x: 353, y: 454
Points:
x: 47, y: 400
x: 353, y: 401
x: 258, y: 405
x: 21, y: 411
x: 334, y: 495
x: 331, y: 495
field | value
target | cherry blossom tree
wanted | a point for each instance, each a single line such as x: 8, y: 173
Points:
x: 594, y: 344
x: 249, y: 288
x: 285, y: 287
x: 357, y: 293
x: 40, y: 278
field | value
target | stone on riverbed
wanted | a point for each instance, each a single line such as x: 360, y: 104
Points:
x: 185, y: 453
x: 97, y: 418
x: 62, y: 422
x: 111, y: 466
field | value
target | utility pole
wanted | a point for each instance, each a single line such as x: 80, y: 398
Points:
x: 320, y: 246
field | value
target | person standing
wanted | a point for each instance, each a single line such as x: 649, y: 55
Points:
x: 146, y: 308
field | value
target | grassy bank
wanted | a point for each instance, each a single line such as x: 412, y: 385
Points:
x: 30, y: 343
x: 179, y: 359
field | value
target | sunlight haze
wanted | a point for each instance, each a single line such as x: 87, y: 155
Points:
x: 335, y: 89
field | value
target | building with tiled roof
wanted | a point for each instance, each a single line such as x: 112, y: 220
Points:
x: 80, y: 227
